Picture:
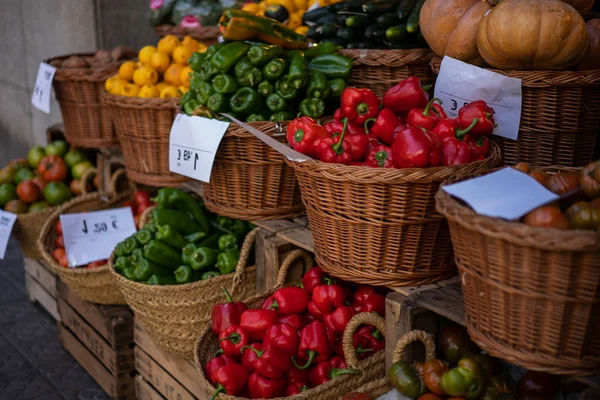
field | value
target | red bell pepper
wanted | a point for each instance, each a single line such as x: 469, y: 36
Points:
x: 448, y: 128
x: 480, y: 147
x: 406, y: 95
x: 336, y: 127
x: 424, y: 117
x: 374, y: 303
x: 312, y: 278
x: 439, y: 110
x: 297, y: 375
x: 232, y: 339
x: 380, y: 156
x: 327, y: 370
x: 456, y: 151
x: 328, y: 297
x: 358, y: 105
x: 315, y: 312
x: 339, y: 318
x: 249, y: 357
x: 231, y: 379
x: 337, y: 115
x: 384, y: 126
x: 480, y: 111
x: 261, y: 387
x: 282, y: 337
x: 335, y: 149
x: 303, y: 134
x: 271, y: 362
x: 295, y: 388
x: 289, y: 300
x: 338, y: 348
x: 213, y: 365
x: 316, y: 344
x: 224, y: 315
x: 358, y: 140
x: 257, y: 321
x: 367, y: 340
x: 361, y: 295
x: 296, y: 321
x: 416, y: 148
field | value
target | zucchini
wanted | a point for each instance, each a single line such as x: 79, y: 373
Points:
x: 388, y: 20
x: 412, y: 25
x: 314, y: 15
x: 339, y: 6
x: 348, y: 34
x: 328, y: 30
x: 376, y: 8
x: 371, y: 29
x: 378, y: 36
x: 353, y: 5
x: 404, y: 9
x: 340, y: 18
x: 357, y: 20
x: 326, y: 19
x: 396, y: 34
x: 314, y: 33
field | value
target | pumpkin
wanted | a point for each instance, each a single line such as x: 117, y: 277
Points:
x: 450, y: 27
x: 582, y: 6
x: 591, y: 59
x: 532, y: 34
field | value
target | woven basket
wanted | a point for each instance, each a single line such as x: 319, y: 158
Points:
x: 372, y: 368
x: 144, y: 127
x: 87, y: 123
x: 378, y: 226
x: 379, y: 70
x: 560, y: 115
x: 206, y: 34
x: 175, y: 314
x: 250, y: 180
x: 532, y: 295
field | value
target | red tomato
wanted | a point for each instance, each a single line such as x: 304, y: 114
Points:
x: 52, y: 169
x: 60, y: 256
x: 28, y: 192
x: 41, y: 184
x: 98, y: 263
x: 131, y: 205
x: 58, y: 228
x: 430, y: 396
x: 76, y: 187
x: 141, y: 197
x: 59, y: 242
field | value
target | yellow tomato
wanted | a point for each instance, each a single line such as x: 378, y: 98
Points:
x: 160, y: 61
x: 161, y: 85
x: 193, y: 44
x: 145, y: 75
x: 302, y: 30
x: 183, y: 89
x: 301, y: 5
x: 169, y: 92
x: 168, y: 44
x: 253, y: 8
x: 185, y: 76
x: 173, y: 73
x: 110, y: 82
x: 295, y: 20
x: 181, y: 55
x: 145, y: 54
x: 130, y: 90
x: 148, y: 92
x: 127, y: 69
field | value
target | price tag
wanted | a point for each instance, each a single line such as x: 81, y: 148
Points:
x: 43, y: 87
x: 7, y: 221
x: 193, y: 145
x: 459, y: 83
x: 92, y: 236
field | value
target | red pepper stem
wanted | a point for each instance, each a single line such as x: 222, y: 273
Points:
x: 227, y: 295
x: 311, y: 356
x: 362, y: 108
x: 361, y: 350
x: 429, y: 105
x: 426, y: 87
x: 381, y: 157
x: 220, y: 389
x: 337, y: 372
x: 460, y: 133
x: 274, y: 305
x: 233, y: 338
x: 258, y: 352
x: 338, y: 148
x: 218, y: 353
x: 367, y: 124
x: 376, y: 334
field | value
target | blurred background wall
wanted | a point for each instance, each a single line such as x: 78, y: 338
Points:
x: 32, y: 30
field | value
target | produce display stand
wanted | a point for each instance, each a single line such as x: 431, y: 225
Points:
x: 100, y: 338
x: 40, y: 282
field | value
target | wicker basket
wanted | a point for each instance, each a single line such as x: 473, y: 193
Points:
x: 372, y: 368
x: 175, y: 314
x: 379, y: 226
x: 250, y: 180
x: 87, y: 123
x: 206, y: 34
x: 532, y: 295
x: 144, y: 127
x: 560, y: 115
x: 379, y: 70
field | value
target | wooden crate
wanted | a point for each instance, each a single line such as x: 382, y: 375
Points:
x: 40, y: 282
x: 162, y: 375
x: 107, y: 162
x: 100, y: 338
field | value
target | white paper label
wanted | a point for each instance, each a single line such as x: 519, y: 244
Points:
x: 43, y: 87
x: 193, y: 145
x: 92, y: 236
x: 459, y: 83
x: 506, y: 193
x: 7, y: 221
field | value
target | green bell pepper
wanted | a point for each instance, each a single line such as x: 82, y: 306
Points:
x: 239, y: 227
x: 162, y: 254
x: 196, y: 60
x: 129, y: 273
x: 247, y: 74
x: 185, y: 202
x: 228, y: 242
x: 162, y: 197
x: 276, y: 103
x: 207, y: 71
x: 225, y: 84
x: 265, y: 88
x: 227, y: 261
x: 285, y: 89
x: 137, y: 255
x: 225, y: 223
x: 196, y: 236
x: 218, y: 103
x: 195, y: 83
x: 258, y: 117
x: 260, y: 55
x: 210, y: 274
x: 123, y: 262
x: 151, y: 226
x: 179, y: 220
x: 298, y: 73
x: 281, y: 116
x: 144, y: 236
x: 318, y: 86
x: 190, y: 106
x: 144, y: 269
x: 246, y: 101
x: 229, y: 55
x: 275, y: 69
x: 203, y: 111
x: 205, y: 90
x: 212, y: 242
x: 203, y: 257
x: 320, y: 49
x: 314, y: 108
x: 161, y: 280
x: 120, y: 250
x: 129, y: 245
x: 187, y: 252
x: 337, y: 87
x: 212, y: 50
x: 185, y: 274
x: 168, y: 235
x: 332, y: 65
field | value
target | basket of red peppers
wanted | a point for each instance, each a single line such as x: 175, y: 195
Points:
x: 369, y: 196
x: 317, y: 340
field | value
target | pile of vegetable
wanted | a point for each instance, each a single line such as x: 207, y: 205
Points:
x: 580, y: 209
x: 293, y: 342
x: 264, y: 82
x: 100, y: 59
x: 188, y: 13
x: 182, y: 243
x: 49, y: 176
x: 410, y: 131
x: 356, y: 24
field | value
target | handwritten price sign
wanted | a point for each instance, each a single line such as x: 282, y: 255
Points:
x: 40, y: 98
x: 7, y: 221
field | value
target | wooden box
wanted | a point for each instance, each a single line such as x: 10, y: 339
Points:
x: 40, y: 282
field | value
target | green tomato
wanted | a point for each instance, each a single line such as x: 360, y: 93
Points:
x: 406, y: 380
x: 24, y: 174
x: 7, y: 174
x: 74, y: 157
x: 8, y: 192
x: 79, y: 169
x: 39, y: 206
x: 57, y: 147
x: 56, y: 193
x: 460, y: 382
x: 35, y: 155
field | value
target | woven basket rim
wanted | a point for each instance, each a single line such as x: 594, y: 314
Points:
x: 137, y: 102
x: 389, y: 58
x: 29, y: 215
x: 204, y: 32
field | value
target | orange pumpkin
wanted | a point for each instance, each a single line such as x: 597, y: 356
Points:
x: 532, y: 34
x: 450, y: 27
x: 582, y: 6
x: 591, y: 59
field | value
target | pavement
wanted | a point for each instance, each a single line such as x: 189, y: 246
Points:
x: 33, y: 363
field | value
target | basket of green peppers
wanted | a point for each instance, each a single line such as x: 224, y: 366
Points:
x: 173, y: 269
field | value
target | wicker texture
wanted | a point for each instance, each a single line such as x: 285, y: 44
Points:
x: 532, y: 295
x: 206, y: 34
x: 379, y: 70
x: 27, y: 230
x: 250, y: 180
x: 379, y: 226
x: 175, y: 314
x: 144, y: 127
x: 78, y: 90
x: 95, y: 285
x: 560, y: 116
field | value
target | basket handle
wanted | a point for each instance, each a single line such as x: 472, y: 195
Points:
x: 114, y: 181
x: 413, y: 336
x: 364, y: 318
x: 287, y: 263
x: 88, y: 177
x: 238, y: 278
x: 145, y: 217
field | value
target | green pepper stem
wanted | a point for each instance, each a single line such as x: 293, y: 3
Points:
x: 361, y: 350
x: 426, y: 87
x: 337, y: 372
x: 220, y: 389
x: 362, y: 108
x: 367, y: 124
x: 429, y: 105
x: 218, y: 353
x: 460, y: 133
x: 380, y: 157
x: 274, y: 305
x: 258, y: 352
x: 376, y: 334
x: 338, y: 148
x: 227, y: 295
x: 234, y: 338
x: 311, y: 357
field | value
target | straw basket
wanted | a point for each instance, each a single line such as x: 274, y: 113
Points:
x: 560, y: 115
x: 206, y: 34
x: 371, y: 369
x: 532, y: 295
x: 379, y: 70
x: 175, y: 314
x: 250, y: 180
x: 144, y: 127
x: 87, y: 123
x: 378, y: 226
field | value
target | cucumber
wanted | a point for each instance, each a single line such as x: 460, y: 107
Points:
x: 339, y: 6
x: 388, y: 20
x: 314, y: 15
x: 357, y: 20
x: 314, y: 33
x: 371, y: 29
x: 396, y: 34
x: 340, y: 18
x: 379, y: 36
x: 328, y: 30
x: 376, y: 8
x: 353, y: 5
x: 348, y: 34
x: 412, y: 25
x: 404, y: 9
x: 326, y: 19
